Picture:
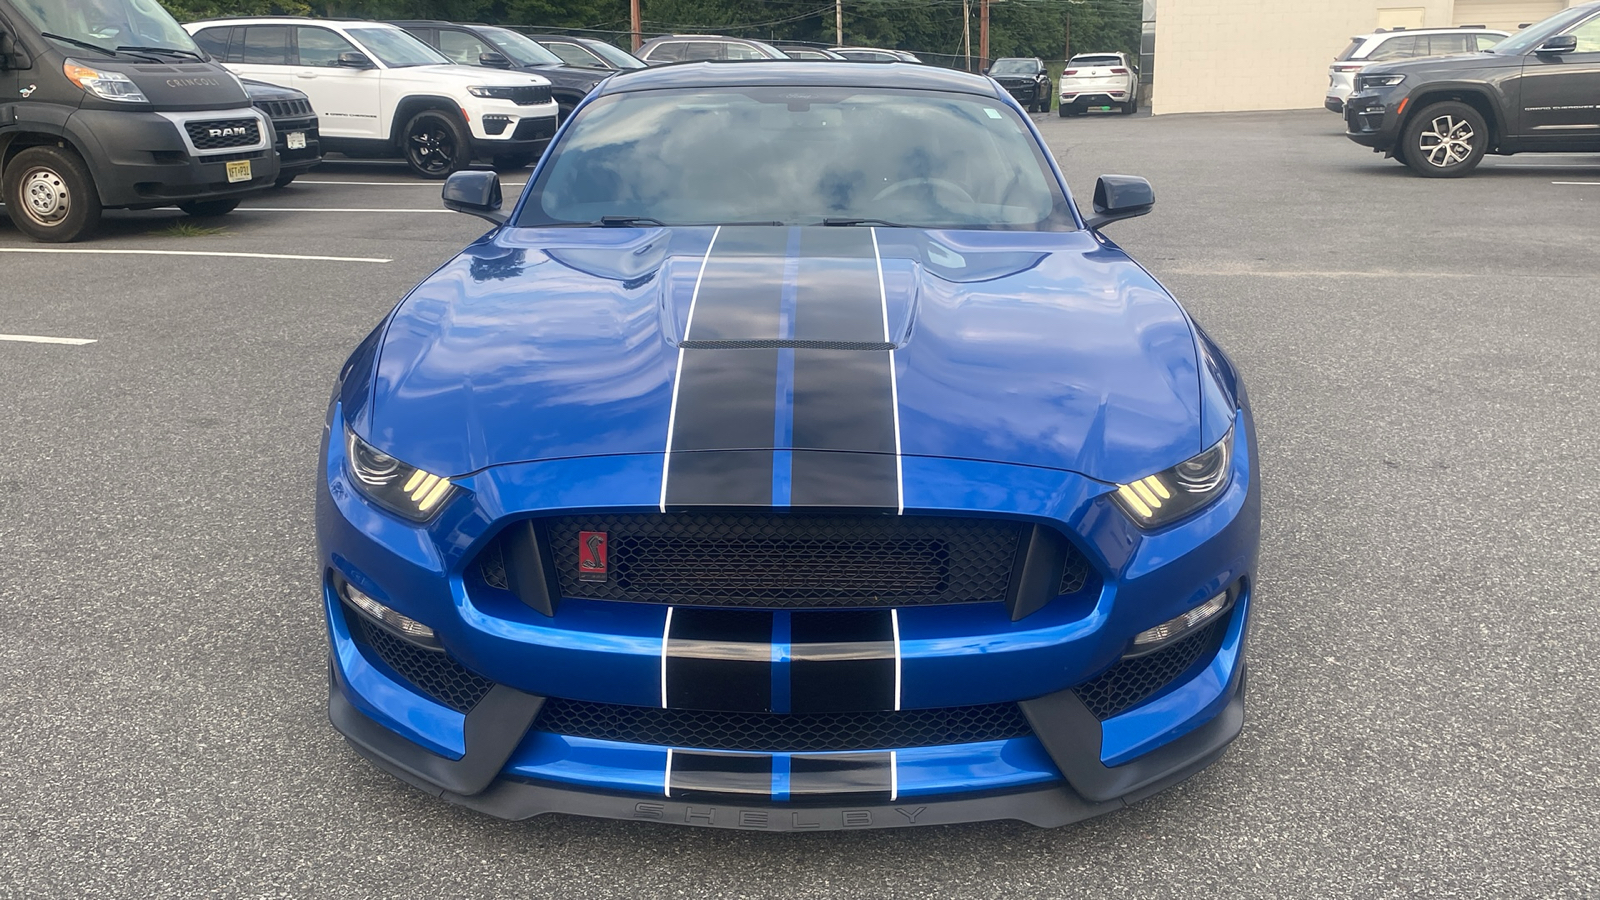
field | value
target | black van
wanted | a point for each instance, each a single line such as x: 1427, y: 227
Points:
x: 108, y: 103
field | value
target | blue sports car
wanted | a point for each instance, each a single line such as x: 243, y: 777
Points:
x: 793, y: 455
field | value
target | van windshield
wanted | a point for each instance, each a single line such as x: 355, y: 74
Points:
x: 109, y: 23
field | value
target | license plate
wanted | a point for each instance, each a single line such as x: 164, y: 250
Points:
x: 297, y: 140
x: 239, y: 171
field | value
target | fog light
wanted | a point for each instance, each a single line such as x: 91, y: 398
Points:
x: 1155, y: 638
x: 403, y: 626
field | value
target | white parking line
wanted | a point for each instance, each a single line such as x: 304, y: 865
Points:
x: 1595, y: 183
x: 323, y: 209
x: 97, y: 251
x: 432, y: 184
x: 36, y: 339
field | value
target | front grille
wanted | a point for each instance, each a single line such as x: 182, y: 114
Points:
x: 1133, y: 681
x: 531, y: 95
x: 284, y: 109
x: 532, y: 129
x: 781, y: 733
x: 795, y: 561
x: 432, y: 672
x: 219, y: 134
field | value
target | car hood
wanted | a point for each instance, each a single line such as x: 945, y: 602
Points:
x: 1459, y: 62
x: 1038, y: 349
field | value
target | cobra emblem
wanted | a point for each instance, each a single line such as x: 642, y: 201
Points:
x: 595, y: 542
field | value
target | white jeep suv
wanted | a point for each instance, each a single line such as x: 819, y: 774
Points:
x: 1099, y: 81
x: 1401, y: 43
x: 380, y: 92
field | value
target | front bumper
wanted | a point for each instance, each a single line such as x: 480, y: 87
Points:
x: 142, y: 160
x: 514, y: 137
x: 1067, y: 764
x: 1374, y: 119
x: 297, y: 162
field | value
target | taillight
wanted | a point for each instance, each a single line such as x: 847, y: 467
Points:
x: 1070, y: 72
x: 1119, y: 71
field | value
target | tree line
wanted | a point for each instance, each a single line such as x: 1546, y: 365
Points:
x: 931, y: 28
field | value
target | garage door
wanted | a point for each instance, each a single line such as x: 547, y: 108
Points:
x: 1506, y: 15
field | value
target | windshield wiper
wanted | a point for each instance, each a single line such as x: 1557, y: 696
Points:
x: 630, y: 221
x: 77, y: 43
x: 189, y: 53
x: 837, y: 222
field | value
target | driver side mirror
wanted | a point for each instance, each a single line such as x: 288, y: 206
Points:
x: 1561, y: 43
x: 1118, y: 197
x: 476, y: 194
x: 350, y: 59
x: 494, y: 60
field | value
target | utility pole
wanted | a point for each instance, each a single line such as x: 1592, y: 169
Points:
x: 633, y: 10
x: 838, y: 22
x: 983, y: 35
x: 966, y: 31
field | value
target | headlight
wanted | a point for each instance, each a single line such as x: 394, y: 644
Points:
x: 105, y: 85
x: 1165, y: 497
x: 1380, y: 80
x: 404, y: 490
x: 494, y: 92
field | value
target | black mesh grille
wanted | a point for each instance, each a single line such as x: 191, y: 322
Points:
x: 284, y: 109
x: 1075, y: 574
x: 778, y: 733
x: 220, y: 134
x: 433, y: 672
x: 529, y: 129
x: 1133, y: 681
x: 531, y: 95
x: 791, y: 561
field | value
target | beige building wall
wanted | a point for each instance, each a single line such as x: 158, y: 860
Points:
x: 1229, y: 55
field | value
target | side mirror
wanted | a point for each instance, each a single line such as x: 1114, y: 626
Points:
x: 1561, y: 43
x: 476, y: 194
x: 494, y: 60
x: 1118, y: 197
x: 350, y: 59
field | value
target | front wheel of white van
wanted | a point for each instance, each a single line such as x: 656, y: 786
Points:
x: 51, y: 195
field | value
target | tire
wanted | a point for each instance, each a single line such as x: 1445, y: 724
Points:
x: 1132, y: 106
x: 1063, y: 111
x: 512, y: 163
x: 205, y: 209
x: 51, y: 195
x: 1445, y: 140
x: 284, y: 180
x: 435, y: 144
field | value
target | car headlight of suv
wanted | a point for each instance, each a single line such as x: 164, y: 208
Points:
x: 1379, y: 80
x: 1165, y: 497
x: 404, y: 490
x: 492, y: 92
x: 105, y: 85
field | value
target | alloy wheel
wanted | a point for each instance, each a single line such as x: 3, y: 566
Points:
x: 432, y: 148
x: 1447, y: 142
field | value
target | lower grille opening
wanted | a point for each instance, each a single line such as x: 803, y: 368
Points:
x: 434, y: 674
x: 780, y: 732
x: 1134, y: 681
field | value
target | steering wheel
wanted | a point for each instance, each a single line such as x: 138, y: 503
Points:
x: 901, y: 185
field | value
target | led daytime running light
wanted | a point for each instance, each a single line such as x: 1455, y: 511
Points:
x: 1156, y: 500
x: 392, y: 484
x: 1167, y: 632
x: 405, y: 626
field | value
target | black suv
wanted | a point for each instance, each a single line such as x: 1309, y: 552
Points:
x: 1026, y: 79
x: 1537, y: 91
x: 502, y: 48
x: 294, y: 127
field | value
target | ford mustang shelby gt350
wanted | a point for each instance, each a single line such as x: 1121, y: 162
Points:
x: 793, y: 455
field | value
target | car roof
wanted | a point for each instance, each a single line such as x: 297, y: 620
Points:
x: 1402, y: 32
x: 755, y: 73
x: 287, y: 20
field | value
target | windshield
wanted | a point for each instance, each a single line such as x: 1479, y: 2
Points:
x: 617, y: 57
x: 523, y: 50
x: 109, y: 23
x: 797, y: 156
x: 1535, y: 34
x: 397, y: 49
x: 1014, y: 67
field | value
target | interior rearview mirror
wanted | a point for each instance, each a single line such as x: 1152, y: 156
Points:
x: 494, y: 60
x: 1118, y: 197
x: 476, y: 194
x: 351, y: 59
x: 1561, y: 43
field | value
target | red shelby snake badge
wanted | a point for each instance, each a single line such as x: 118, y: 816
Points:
x: 592, y: 556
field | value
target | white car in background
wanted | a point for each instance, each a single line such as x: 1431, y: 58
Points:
x: 380, y: 92
x: 1099, y: 80
x: 1401, y: 43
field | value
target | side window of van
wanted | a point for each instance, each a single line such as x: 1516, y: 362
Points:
x: 263, y: 45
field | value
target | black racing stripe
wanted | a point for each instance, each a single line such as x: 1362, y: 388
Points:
x: 726, y: 399
x: 698, y: 773
x: 720, y: 659
x: 837, y: 294
x: 843, y: 480
x: 843, y: 400
x: 841, y: 661
x: 864, y: 776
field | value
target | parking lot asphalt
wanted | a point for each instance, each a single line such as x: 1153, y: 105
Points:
x: 1425, y: 691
